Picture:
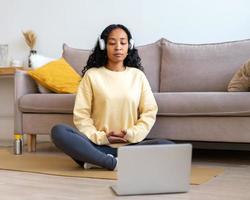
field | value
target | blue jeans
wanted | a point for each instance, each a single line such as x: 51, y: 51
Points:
x: 81, y: 149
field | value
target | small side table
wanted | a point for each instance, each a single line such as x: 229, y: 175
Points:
x: 8, y: 71
x: 7, y: 102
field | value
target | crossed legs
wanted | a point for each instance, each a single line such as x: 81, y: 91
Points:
x: 81, y: 149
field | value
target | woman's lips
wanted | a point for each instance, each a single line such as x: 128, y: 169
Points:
x: 118, y: 54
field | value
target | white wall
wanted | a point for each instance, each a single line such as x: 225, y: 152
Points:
x: 78, y: 22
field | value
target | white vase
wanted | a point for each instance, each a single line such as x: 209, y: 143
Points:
x: 32, y: 51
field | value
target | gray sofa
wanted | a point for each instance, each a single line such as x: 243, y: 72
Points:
x: 189, y: 82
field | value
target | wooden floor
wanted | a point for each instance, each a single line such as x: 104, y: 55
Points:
x: 233, y: 184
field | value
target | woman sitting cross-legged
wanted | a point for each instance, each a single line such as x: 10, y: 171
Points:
x: 114, y: 104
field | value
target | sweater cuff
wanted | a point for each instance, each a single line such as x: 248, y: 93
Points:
x: 102, y: 138
x: 129, y: 135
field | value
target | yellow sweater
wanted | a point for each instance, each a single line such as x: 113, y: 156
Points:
x: 113, y: 101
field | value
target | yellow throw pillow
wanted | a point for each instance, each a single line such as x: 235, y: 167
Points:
x: 241, y: 80
x: 57, y: 76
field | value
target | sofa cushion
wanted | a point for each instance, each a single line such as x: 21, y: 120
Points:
x: 241, y: 80
x: 203, y: 104
x: 37, y: 61
x: 58, y: 76
x: 170, y: 104
x: 201, y: 67
x: 77, y: 58
x: 151, y: 61
x: 47, y: 103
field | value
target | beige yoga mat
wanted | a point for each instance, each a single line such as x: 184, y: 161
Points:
x: 62, y: 165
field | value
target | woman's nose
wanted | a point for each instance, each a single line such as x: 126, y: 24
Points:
x: 118, y: 46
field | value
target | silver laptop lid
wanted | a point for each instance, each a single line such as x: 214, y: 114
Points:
x: 147, y: 169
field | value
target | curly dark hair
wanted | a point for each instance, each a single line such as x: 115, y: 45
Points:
x: 99, y: 58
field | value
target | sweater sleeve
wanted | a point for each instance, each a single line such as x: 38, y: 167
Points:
x: 147, y: 115
x: 82, y: 113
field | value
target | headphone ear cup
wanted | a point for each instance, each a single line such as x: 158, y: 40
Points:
x: 101, y: 43
x: 131, y: 44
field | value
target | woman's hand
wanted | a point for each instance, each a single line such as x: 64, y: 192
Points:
x: 121, y: 134
x: 116, y: 137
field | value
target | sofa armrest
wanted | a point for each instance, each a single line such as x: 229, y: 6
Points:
x: 23, y: 84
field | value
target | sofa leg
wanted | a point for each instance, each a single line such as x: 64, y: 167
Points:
x: 31, y: 142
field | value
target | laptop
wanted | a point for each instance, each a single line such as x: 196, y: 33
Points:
x: 153, y: 169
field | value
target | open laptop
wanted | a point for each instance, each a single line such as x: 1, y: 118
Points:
x: 153, y: 169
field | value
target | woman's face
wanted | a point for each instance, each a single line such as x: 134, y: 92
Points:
x: 117, y: 46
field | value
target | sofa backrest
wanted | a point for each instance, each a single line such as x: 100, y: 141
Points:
x: 77, y: 58
x: 150, y: 55
x: 201, y: 67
